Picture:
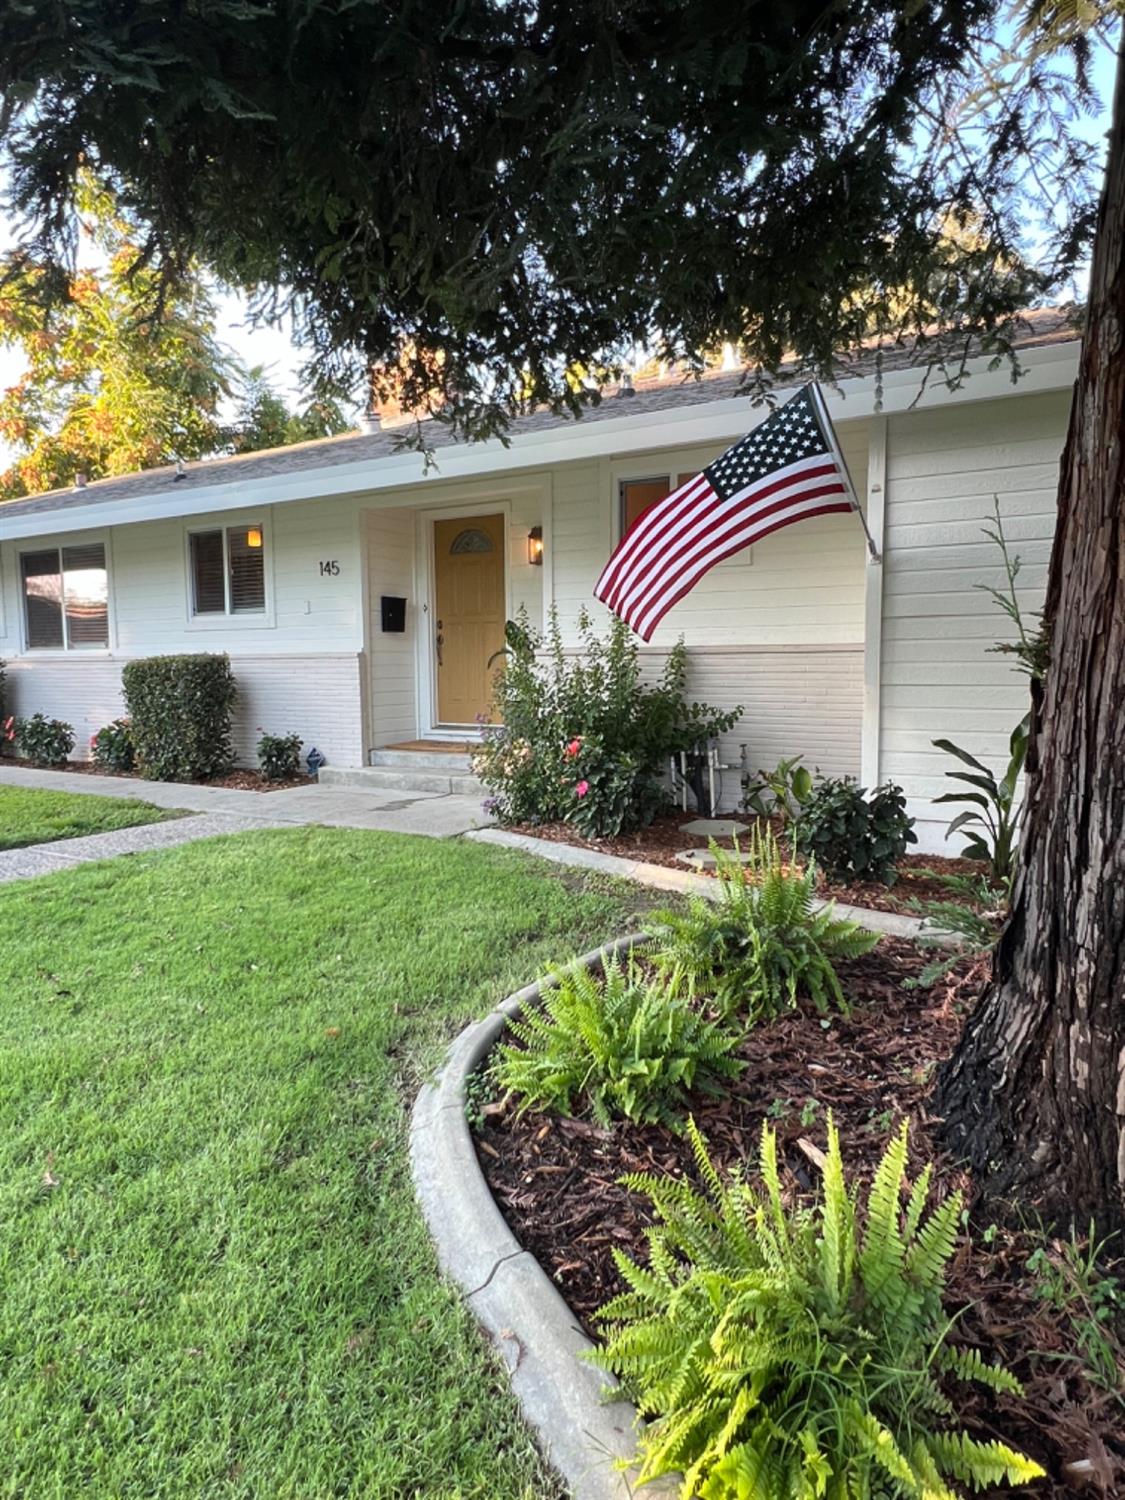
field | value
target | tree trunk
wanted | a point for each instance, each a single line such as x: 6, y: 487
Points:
x: 1034, y: 1097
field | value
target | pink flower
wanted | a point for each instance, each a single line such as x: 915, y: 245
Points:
x: 573, y: 748
x: 582, y: 788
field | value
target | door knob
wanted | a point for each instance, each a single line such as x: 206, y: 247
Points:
x: 439, y: 641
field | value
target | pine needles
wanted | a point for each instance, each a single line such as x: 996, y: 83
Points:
x: 792, y: 1354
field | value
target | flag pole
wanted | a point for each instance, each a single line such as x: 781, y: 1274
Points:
x: 837, y: 452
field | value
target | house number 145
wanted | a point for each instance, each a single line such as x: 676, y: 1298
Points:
x: 330, y: 569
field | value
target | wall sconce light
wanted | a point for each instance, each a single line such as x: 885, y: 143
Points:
x: 254, y: 537
x: 535, y: 546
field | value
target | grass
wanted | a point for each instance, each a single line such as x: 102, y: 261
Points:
x: 30, y: 816
x: 213, y: 1278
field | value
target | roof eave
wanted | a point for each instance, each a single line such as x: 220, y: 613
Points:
x: 1047, y: 367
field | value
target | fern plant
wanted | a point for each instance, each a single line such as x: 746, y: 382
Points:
x: 626, y: 1044
x: 764, y: 943
x: 792, y: 1354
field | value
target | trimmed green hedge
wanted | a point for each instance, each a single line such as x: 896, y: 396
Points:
x: 180, y: 713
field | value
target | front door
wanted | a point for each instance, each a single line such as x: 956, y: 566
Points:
x: 469, y: 613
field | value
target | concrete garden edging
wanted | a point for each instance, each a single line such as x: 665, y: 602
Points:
x: 664, y: 878
x: 582, y: 1429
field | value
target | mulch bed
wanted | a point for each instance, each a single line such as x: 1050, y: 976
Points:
x: 241, y: 781
x: 661, y: 841
x: 557, y: 1183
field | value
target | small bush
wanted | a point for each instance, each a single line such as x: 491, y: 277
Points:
x: 43, y: 741
x: 629, y: 1046
x: 112, y: 747
x: 781, y: 792
x: 853, y: 836
x: 568, y: 721
x: 762, y: 944
x: 180, y: 711
x: 786, y: 1353
x: 279, y: 756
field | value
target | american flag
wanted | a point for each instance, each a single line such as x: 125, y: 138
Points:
x: 789, y: 468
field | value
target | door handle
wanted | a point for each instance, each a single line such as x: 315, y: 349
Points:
x: 439, y: 641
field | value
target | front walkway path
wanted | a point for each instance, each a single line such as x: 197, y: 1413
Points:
x: 226, y: 810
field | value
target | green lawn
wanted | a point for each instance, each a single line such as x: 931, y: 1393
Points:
x: 30, y: 816
x: 213, y: 1279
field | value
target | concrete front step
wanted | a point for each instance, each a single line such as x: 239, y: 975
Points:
x: 453, y: 762
x: 398, y: 779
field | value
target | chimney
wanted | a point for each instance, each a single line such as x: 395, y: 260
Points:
x: 371, y: 421
x: 626, y: 386
x: 80, y: 481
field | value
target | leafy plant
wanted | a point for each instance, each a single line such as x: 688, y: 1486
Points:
x: 279, y: 756
x: 993, y: 815
x: 1032, y: 647
x: 550, y: 703
x: 781, y: 792
x: 180, y: 712
x: 112, y: 747
x: 763, y: 943
x: 972, y: 917
x: 853, y: 836
x: 1074, y: 1276
x: 43, y: 741
x: 629, y: 1046
x: 789, y: 1354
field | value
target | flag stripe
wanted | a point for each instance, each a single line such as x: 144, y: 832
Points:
x: 651, y: 524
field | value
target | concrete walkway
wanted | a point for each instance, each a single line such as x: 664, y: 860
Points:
x: 225, y: 810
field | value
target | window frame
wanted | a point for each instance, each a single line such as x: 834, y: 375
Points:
x: 262, y: 619
x: 59, y: 543
x: 648, y: 468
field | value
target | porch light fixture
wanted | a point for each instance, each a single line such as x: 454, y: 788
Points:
x: 254, y: 537
x: 535, y: 546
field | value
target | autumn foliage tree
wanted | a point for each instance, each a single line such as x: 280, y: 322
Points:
x: 118, y: 373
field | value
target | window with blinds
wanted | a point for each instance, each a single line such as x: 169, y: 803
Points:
x: 66, y: 598
x: 228, y: 574
x: 637, y: 495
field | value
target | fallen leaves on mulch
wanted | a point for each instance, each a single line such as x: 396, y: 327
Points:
x: 661, y: 841
x: 557, y: 1183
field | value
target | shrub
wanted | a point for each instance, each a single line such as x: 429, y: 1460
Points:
x: 567, y: 719
x: 793, y: 1353
x: 628, y: 1045
x: 45, y: 742
x: 180, y: 711
x: 763, y: 943
x: 781, y: 792
x: 279, y: 756
x: 112, y: 747
x: 853, y: 836
x: 996, y: 825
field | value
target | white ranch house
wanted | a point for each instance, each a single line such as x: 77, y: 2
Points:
x: 283, y: 559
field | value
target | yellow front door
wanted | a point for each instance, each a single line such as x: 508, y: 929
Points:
x: 469, y: 613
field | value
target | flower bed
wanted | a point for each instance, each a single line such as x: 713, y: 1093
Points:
x: 557, y: 1182
x: 662, y: 840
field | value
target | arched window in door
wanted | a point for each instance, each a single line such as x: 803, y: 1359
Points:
x: 472, y: 539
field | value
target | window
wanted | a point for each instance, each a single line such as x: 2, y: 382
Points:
x: 66, y: 598
x: 228, y: 574
x: 637, y: 495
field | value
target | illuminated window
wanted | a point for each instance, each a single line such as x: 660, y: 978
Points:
x: 228, y: 571
x: 66, y: 598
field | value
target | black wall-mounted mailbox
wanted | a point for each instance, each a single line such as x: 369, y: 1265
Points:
x: 393, y: 613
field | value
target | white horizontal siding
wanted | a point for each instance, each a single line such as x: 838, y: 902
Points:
x: 389, y: 543
x: 317, y: 696
x: 804, y: 701
x: 939, y: 679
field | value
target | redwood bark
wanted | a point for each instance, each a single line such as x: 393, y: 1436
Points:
x: 1034, y: 1098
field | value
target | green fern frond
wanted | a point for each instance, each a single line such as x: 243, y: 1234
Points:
x: 981, y: 1464
x: 969, y: 1364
